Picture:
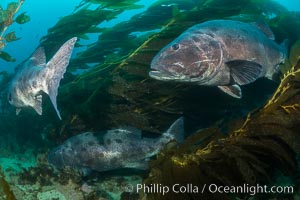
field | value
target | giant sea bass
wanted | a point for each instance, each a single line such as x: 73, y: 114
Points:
x: 223, y: 53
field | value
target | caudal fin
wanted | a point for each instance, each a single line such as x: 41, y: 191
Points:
x: 280, y: 68
x: 56, y: 68
x: 285, y: 48
x: 177, y: 130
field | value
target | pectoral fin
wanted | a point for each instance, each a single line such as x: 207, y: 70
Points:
x: 177, y: 129
x: 38, y: 104
x: 52, y: 92
x: 232, y: 90
x: 244, y: 71
x: 18, y: 110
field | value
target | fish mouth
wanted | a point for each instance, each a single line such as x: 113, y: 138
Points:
x: 159, y: 75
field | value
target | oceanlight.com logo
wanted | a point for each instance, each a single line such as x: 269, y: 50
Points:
x: 209, y: 188
x: 251, y: 189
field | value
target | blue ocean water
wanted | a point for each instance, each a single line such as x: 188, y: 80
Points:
x: 292, y: 5
x: 44, y: 15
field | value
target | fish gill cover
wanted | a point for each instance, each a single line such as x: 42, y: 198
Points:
x: 114, y: 89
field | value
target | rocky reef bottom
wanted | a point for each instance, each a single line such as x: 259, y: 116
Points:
x: 27, y: 176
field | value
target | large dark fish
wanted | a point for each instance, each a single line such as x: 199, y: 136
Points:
x: 35, y: 75
x: 223, y: 53
x: 115, y: 149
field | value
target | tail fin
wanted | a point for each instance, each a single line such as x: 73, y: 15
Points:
x: 278, y: 69
x: 56, y: 68
x: 285, y: 47
x: 177, y: 130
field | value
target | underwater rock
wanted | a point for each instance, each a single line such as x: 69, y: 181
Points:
x: 52, y: 194
x: 5, y: 190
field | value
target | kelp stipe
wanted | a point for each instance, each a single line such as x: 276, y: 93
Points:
x: 6, y: 20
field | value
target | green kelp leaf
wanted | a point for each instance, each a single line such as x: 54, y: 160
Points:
x: 12, y: 7
x: 3, y: 15
x: 175, y: 10
x: 95, y: 29
x: 112, y: 2
x: 5, y: 56
x: 9, y: 37
x: 224, y: 4
x: 126, y: 6
x: 3, y: 73
x: 83, y: 36
x: 180, y: 4
x: 2, y: 45
x: 117, y: 4
x: 22, y: 18
x: 245, y: 17
x: 75, y: 24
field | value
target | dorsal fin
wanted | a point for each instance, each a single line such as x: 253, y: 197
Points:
x: 38, y: 58
x: 177, y: 130
x: 263, y: 27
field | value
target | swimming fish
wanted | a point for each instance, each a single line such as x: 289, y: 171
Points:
x: 223, y: 53
x: 35, y: 75
x: 114, y: 149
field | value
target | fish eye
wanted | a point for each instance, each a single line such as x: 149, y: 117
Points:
x: 175, y: 47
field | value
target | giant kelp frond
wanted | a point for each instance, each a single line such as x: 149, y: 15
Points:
x: 121, y: 39
x: 6, y: 20
x: 77, y: 24
x: 113, y: 4
x: 126, y: 36
x: 267, y: 141
x: 118, y: 90
x: 292, y: 70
